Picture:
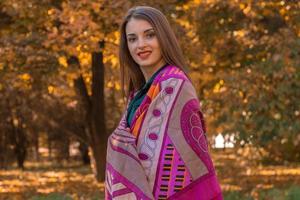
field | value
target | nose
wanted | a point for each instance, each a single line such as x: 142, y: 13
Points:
x: 141, y: 43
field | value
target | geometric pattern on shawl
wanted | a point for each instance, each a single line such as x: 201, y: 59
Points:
x: 165, y: 153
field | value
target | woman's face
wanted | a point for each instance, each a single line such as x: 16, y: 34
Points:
x: 143, y: 44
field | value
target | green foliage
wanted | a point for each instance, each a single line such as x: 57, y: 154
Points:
x: 293, y: 193
x: 236, y: 195
x: 274, y: 194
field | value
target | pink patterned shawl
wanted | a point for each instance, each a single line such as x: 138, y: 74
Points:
x: 165, y: 153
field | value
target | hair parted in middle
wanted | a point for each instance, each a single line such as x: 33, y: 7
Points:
x: 132, y: 77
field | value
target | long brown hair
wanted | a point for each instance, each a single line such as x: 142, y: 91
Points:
x: 132, y: 77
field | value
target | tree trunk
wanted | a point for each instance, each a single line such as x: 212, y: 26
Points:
x: 19, y: 140
x: 49, y: 140
x: 20, y: 148
x: 36, y: 147
x: 20, y: 145
x: 3, y: 149
x: 84, y: 151
x: 95, y: 112
x: 99, y: 135
x: 65, y: 149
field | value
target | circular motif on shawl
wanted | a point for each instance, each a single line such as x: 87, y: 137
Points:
x: 156, y: 112
x: 143, y: 156
x: 192, y: 127
x: 169, y: 90
x: 153, y: 136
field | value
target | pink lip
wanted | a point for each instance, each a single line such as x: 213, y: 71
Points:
x: 144, y: 54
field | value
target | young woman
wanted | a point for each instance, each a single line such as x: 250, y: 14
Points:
x: 159, y: 150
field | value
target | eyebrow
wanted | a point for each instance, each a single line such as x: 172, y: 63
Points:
x: 147, y: 30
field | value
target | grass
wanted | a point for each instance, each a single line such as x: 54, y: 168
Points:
x: 239, y: 178
x: 290, y: 193
x: 71, y: 181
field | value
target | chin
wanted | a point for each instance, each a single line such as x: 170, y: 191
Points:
x: 145, y: 64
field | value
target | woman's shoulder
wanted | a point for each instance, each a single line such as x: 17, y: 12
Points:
x: 174, y: 77
x: 173, y: 72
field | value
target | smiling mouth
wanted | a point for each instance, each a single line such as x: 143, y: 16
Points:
x: 144, y: 54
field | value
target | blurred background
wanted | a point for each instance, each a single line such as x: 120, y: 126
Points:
x: 60, y: 93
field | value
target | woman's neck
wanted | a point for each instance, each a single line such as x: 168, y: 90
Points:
x: 148, y: 71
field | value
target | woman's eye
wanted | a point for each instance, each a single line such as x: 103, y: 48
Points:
x: 131, y: 39
x: 150, y: 35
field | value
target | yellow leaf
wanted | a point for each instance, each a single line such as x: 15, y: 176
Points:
x: 247, y: 10
x: 114, y: 61
x: 94, y: 39
x: 239, y: 33
x: 63, y: 61
x: 186, y: 7
x: 184, y: 23
x: 221, y: 21
x: 88, y: 79
x: 51, y: 11
x: 217, y: 88
x: 282, y: 11
x: 1, y: 66
x: 78, y: 48
x: 72, y: 19
x: 15, y: 122
x: 117, y: 86
x: 85, y: 58
x: 117, y: 36
x: 50, y: 89
x: 197, y: 2
x: 191, y: 34
x: 109, y: 84
x: 207, y: 59
x: 241, y: 94
x: 25, y: 77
